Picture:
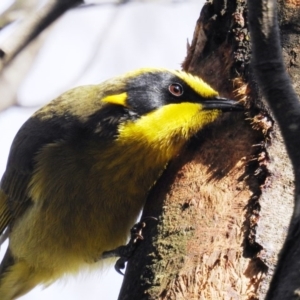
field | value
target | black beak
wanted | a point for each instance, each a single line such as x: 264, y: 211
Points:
x: 222, y: 104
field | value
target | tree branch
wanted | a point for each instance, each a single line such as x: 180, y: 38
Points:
x: 32, y: 26
x: 16, y: 11
x: 277, y: 89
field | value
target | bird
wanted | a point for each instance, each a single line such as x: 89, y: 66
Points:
x: 80, y: 168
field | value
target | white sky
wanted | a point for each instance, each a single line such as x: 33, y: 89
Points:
x: 87, y: 46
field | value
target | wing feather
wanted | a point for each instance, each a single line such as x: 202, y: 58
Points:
x: 38, y: 132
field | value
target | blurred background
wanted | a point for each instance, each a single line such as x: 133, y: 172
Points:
x: 86, y: 46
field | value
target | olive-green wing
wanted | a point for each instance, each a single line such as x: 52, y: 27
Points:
x: 40, y: 131
x: 5, y: 215
x: 32, y: 136
x: 12, y: 207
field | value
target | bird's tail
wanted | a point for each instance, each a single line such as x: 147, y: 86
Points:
x: 16, y: 278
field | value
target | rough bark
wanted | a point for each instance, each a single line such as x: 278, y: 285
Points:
x: 270, y: 71
x: 225, y: 203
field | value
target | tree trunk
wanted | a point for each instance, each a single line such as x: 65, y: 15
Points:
x: 224, y: 205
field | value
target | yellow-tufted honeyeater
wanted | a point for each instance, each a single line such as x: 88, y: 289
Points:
x: 80, y: 168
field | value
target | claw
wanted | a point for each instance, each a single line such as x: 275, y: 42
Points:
x: 125, y: 252
x: 120, y: 265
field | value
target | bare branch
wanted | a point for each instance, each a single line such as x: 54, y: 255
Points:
x: 32, y: 26
x: 16, y: 11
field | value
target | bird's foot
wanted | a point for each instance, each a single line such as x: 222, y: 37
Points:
x: 126, y: 251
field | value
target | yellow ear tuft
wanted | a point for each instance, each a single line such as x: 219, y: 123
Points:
x: 119, y: 99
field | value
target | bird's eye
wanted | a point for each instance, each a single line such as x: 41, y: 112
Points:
x: 176, y: 89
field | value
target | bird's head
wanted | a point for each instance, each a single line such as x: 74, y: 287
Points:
x: 149, y: 89
x: 169, y: 105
